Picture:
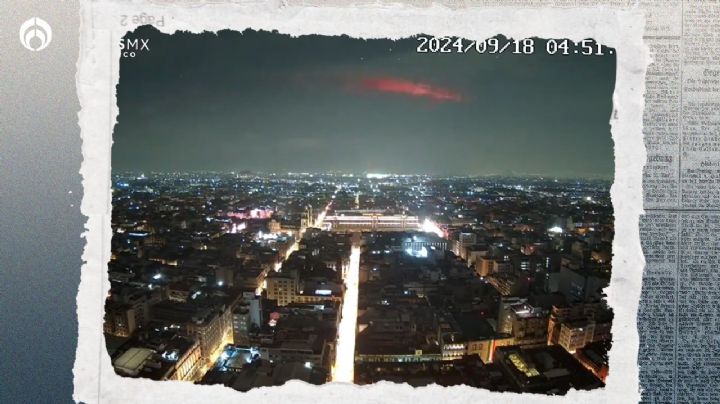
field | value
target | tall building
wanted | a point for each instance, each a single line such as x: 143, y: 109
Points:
x: 504, y: 321
x: 307, y: 220
x: 120, y: 319
x: 211, y: 326
x: 576, y: 325
x: 464, y: 241
x: 128, y: 310
x: 528, y: 325
x: 281, y: 287
x: 246, y: 316
x: 576, y: 334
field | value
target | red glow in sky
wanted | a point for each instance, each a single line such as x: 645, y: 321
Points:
x: 413, y: 89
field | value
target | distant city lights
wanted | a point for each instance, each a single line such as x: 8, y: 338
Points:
x: 252, y: 214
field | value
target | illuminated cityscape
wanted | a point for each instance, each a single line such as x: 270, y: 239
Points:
x: 330, y: 209
x: 252, y: 280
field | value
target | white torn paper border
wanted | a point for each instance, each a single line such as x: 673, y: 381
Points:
x: 102, y: 26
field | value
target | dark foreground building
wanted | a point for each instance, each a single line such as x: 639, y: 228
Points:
x: 550, y: 369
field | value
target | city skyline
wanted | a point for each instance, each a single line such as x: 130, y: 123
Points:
x: 252, y: 280
x: 330, y: 209
x: 365, y: 174
x: 261, y: 101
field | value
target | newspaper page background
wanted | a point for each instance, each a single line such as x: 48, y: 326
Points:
x: 679, y: 356
x: 678, y: 323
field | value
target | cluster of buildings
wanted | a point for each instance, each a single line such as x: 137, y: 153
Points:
x: 314, y: 273
x: 198, y: 268
x: 239, y: 279
x: 297, y: 343
x: 512, y: 282
x: 289, y: 330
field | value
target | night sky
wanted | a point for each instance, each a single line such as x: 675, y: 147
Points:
x: 267, y: 102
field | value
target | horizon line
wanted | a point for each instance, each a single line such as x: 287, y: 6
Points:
x: 365, y: 173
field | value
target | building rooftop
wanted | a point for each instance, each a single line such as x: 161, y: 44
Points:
x: 133, y: 360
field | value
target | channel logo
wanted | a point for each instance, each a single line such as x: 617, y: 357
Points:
x: 35, y: 34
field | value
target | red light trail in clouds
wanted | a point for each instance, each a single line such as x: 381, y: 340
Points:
x: 413, y: 89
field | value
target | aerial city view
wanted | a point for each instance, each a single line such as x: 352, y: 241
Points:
x: 328, y: 209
